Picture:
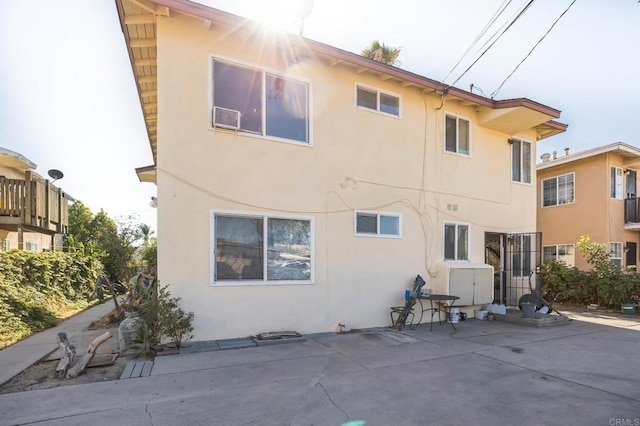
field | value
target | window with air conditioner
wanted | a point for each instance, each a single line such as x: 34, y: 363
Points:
x: 258, y: 102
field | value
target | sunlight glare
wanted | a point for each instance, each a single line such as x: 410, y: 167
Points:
x: 280, y: 15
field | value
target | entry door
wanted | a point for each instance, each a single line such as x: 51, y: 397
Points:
x: 631, y: 186
x: 494, y: 256
x: 631, y: 258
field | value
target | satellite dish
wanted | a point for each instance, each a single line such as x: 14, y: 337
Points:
x: 55, y: 174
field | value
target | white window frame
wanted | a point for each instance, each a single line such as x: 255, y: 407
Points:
x: 29, y: 246
x: 264, y: 282
x: 458, y: 117
x: 5, y: 245
x: 455, y: 244
x: 263, y: 71
x: 557, y: 191
x: 378, y: 215
x: 378, y: 92
x: 616, y: 183
x: 613, y: 251
x: 558, y: 257
x: 521, y: 161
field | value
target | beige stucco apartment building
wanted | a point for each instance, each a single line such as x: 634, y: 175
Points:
x: 592, y: 193
x: 301, y: 186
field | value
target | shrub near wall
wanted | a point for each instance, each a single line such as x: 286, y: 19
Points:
x: 37, y: 288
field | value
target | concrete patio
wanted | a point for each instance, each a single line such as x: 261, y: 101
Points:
x: 485, y: 373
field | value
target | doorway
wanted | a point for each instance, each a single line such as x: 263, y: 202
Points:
x: 631, y: 186
x: 516, y: 261
x: 631, y: 256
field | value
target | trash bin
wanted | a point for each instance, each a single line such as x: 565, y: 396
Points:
x: 628, y: 308
x: 528, y: 310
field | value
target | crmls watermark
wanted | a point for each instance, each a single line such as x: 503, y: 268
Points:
x: 624, y: 422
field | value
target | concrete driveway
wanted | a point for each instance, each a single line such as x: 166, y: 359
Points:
x: 485, y: 373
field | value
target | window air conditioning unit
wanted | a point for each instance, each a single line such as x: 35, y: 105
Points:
x: 226, y: 118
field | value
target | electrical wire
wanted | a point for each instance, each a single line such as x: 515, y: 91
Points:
x: 495, y: 92
x: 494, y: 42
x: 492, y: 20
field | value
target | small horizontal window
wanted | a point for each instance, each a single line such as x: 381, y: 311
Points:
x: 378, y: 101
x: 378, y: 224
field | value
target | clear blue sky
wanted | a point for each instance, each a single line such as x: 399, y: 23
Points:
x: 68, y: 98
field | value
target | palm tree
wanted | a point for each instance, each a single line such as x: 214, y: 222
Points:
x: 145, y: 232
x: 381, y: 53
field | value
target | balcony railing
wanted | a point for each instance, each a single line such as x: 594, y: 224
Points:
x: 33, y: 203
x: 632, y: 210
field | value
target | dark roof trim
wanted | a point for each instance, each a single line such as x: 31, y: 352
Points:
x: 225, y: 18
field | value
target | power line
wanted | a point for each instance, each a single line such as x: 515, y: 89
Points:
x: 495, y: 92
x: 492, y: 20
x: 494, y: 42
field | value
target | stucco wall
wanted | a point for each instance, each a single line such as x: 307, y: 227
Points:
x: 594, y: 212
x: 359, y: 160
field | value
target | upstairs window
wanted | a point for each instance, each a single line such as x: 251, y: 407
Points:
x: 258, y: 102
x: 457, y: 137
x: 558, y: 190
x: 616, y: 182
x: 456, y: 241
x: 520, y: 161
x: 378, y: 224
x: 374, y: 99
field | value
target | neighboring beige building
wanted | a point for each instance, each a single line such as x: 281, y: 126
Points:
x: 300, y: 185
x: 33, y: 212
x: 592, y: 193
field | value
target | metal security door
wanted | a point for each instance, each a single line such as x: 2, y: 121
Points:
x: 523, y: 260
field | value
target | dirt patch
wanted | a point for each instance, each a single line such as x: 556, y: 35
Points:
x: 42, y: 375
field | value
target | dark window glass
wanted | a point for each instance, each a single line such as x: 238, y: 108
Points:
x: 463, y: 242
x: 240, y: 89
x: 451, y: 134
x: 549, y: 192
x: 239, y: 248
x: 450, y: 242
x: 366, y: 224
x: 515, y: 160
x: 367, y: 99
x: 287, y: 115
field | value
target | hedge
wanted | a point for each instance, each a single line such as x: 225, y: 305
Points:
x: 36, y: 288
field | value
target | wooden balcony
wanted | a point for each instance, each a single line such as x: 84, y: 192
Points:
x: 33, y: 204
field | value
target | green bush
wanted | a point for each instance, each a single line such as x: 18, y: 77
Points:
x: 36, y: 287
x: 567, y: 284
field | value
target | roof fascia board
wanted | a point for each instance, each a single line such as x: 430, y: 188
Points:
x: 618, y: 146
x: 214, y: 15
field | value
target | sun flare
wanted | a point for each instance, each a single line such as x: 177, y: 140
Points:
x: 281, y: 15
